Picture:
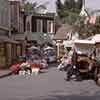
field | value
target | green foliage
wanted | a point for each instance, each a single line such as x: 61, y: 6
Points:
x: 87, y: 30
x: 30, y: 7
x: 69, y: 11
x: 59, y: 5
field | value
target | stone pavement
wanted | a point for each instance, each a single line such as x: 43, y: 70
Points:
x: 47, y: 86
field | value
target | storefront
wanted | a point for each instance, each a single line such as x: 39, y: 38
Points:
x: 2, y: 54
x: 21, y: 47
x: 9, y: 50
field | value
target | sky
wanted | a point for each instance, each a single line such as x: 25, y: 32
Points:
x: 50, y: 4
x: 93, y: 4
x: 51, y: 7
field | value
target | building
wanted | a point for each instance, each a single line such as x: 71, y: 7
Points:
x: 16, y: 16
x: 11, y: 23
x: 4, y: 30
x: 4, y: 16
x: 39, y: 26
x: 17, y: 22
x: 8, y: 47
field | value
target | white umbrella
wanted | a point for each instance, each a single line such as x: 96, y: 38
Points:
x: 33, y: 47
x: 48, y: 48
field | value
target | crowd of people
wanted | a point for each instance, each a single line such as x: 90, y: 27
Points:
x: 72, y: 66
x: 34, y: 60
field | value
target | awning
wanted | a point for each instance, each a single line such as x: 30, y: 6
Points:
x: 39, y: 37
x: 63, y: 32
x: 19, y: 37
x: 6, y: 39
x: 84, y: 42
x: 96, y: 38
x: 68, y: 43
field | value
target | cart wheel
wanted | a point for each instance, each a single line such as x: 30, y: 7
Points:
x: 97, y: 77
x: 95, y: 74
x: 98, y: 81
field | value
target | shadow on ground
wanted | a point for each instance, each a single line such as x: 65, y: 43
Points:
x: 6, y: 75
x: 64, y: 97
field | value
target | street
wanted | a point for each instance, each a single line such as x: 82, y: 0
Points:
x: 49, y: 85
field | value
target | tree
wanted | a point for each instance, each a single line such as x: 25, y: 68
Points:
x: 69, y: 11
x: 59, y: 7
x: 32, y: 7
x: 87, y: 30
x: 28, y: 7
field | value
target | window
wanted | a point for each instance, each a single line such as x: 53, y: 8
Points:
x: 34, y: 29
x: 50, y: 26
x: 45, y: 26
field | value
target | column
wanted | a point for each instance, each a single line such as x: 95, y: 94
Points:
x: 9, y: 56
x: 51, y: 27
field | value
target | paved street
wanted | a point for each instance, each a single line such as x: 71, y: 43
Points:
x: 49, y: 85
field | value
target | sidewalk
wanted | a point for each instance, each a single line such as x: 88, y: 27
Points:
x: 4, y: 72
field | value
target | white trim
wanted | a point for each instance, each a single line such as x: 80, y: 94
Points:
x: 28, y: 20
x: 50, y: 26
x: 39, y: 24
x: 84, y: 42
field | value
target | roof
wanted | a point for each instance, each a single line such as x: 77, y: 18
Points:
x: 6, y: 39
x: 18, y: 36
x: 96, y: 38
x: 14, y: 0
x: 62, y: 32
x: 91, y: 40
x: 38, y: 36
x: 46, y: 15
x: 84, y: 42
